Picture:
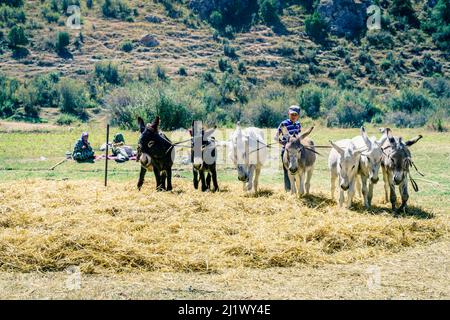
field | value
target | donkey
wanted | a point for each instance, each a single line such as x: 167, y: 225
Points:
x: 369, y: 164
x: 343, y: 162
x: 395, y: 165
x: 248, y: 151
x: 155, y: 151
x: 203, y: 158
x: 298, y: 159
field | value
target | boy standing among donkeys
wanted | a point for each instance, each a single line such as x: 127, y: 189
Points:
x: 293, y: 126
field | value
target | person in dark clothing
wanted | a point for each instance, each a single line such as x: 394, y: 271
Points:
x: 82, y: 151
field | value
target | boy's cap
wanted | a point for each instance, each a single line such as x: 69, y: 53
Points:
x: 294, y: 110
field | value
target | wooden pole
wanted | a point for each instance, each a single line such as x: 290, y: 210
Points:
x: 106, y: 160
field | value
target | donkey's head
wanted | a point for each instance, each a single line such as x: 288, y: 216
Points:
x: 348, y: 163
x: 398, y: 156
x: 150, y: 141
x: 201, y: 141
x: 294, y: 148
x: 373, y: 154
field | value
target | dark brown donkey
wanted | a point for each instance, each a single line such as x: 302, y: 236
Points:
x: 203, y: 158
x: 396, y: 162
x: 156, y: 152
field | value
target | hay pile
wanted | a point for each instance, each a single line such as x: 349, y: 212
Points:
x: 50, y: 225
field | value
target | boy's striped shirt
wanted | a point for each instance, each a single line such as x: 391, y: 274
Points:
x: 292, y: 127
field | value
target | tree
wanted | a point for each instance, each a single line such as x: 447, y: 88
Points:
x: 17, y: 37
x: 268, y: 12
x: 62, y: 41
x: 316, y: 27
x: 404, y: 8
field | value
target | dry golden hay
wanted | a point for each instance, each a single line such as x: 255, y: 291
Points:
x: 51, y: 225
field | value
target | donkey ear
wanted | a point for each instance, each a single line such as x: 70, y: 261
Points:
x: 190, y: 132
x: 413, y: 141
x: 306, y: 133
x: 208, y: 133
x: 141, y: 124
x: 284, y: 130
x: 337, y: 148
x: 366, y: 138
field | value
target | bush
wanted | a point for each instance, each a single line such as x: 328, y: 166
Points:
x: 439, y: 87
x: 296, y: 77
x: 118, y: 9
x: 316, y: 27
x: 126, y: 46
x: 353, y: 110
x: 62, y: 41
x: 47, y: 93
x: 8, y: 96
x: 161, y: 73
x: 17, y: 37
x: 89, y: 4
x: 409, y: 101
x: 12, y: 3
x: 380, y: 39
x: 216, y: 19
x: 49, y: 15
x: 442, y: 38
x: 138, y: 99
x: 405, y: 120
x: 229, y: 51
x: 242, y: 68
x: 224, y: 65
x: 11, y: 16
x: 268, y: 11
x: 404, y: 8
x: 73, y: 98
x: 310, y: 100
x: 107, y: 72
x: 66, y: 119
x: 182, y: 72
x: 430, y: 66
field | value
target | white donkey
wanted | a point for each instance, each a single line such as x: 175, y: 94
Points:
x: 369, y: 163
x: 343, y: 162
x: 248, y: 151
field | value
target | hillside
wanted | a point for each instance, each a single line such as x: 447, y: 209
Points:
x: 186, y: 46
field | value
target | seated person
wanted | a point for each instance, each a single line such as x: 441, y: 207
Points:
x: 120, y: 150
x: 82, y: 151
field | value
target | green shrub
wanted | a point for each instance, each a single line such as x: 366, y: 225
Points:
x: 49, y: 15
x: 9, y: 102
x: 316, y: 27
x: 229, y: 51
x: 404, y: 8
x: 430, y: 66
x: 242, y: 68
x: 126, y: 46
x: 380, y: 39
x: 216, y: 19
x: 442, y: 38
x: 12, y: 3
x: 11, y: 16
x: 66, y: 119
x: 118, y: 9
x: 353, y: 109
x: 224, y: 65
x: 73, y: 98
x: 295, y: 77
x: 182, y: 71
x: 409, y: 101
x: 89, y: 4
x: 310, y: 100
x: 405, y: 120
x: 268, y: 11
x: 107, y: 71
x: 62, y: 41
x: 47, y: 93
x: 161, y: 73
x: 17, y: 37
x: 439, y: 87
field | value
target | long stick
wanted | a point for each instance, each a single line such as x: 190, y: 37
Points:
x: 106, y: 160
x: 59, y: 163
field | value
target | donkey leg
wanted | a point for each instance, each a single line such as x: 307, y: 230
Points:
x: 364, y: 191
x: 404, y: 194
x: 358, y: 187
x: 195, y: 173
x: 158, y: 179
x: 251, y: 174
x: 341, y: 197
x: 141, y: 178
x: 301, y: 183
x: 208, y: 181
x: 293, y: 183
x: 256, y: 180
x: 350, y: 194
x: 214, y: 179
x: 386, y: 185
x: 370, y: 194
x: 202, y: 179
x: 309, y: 174
x: 169, y: 179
